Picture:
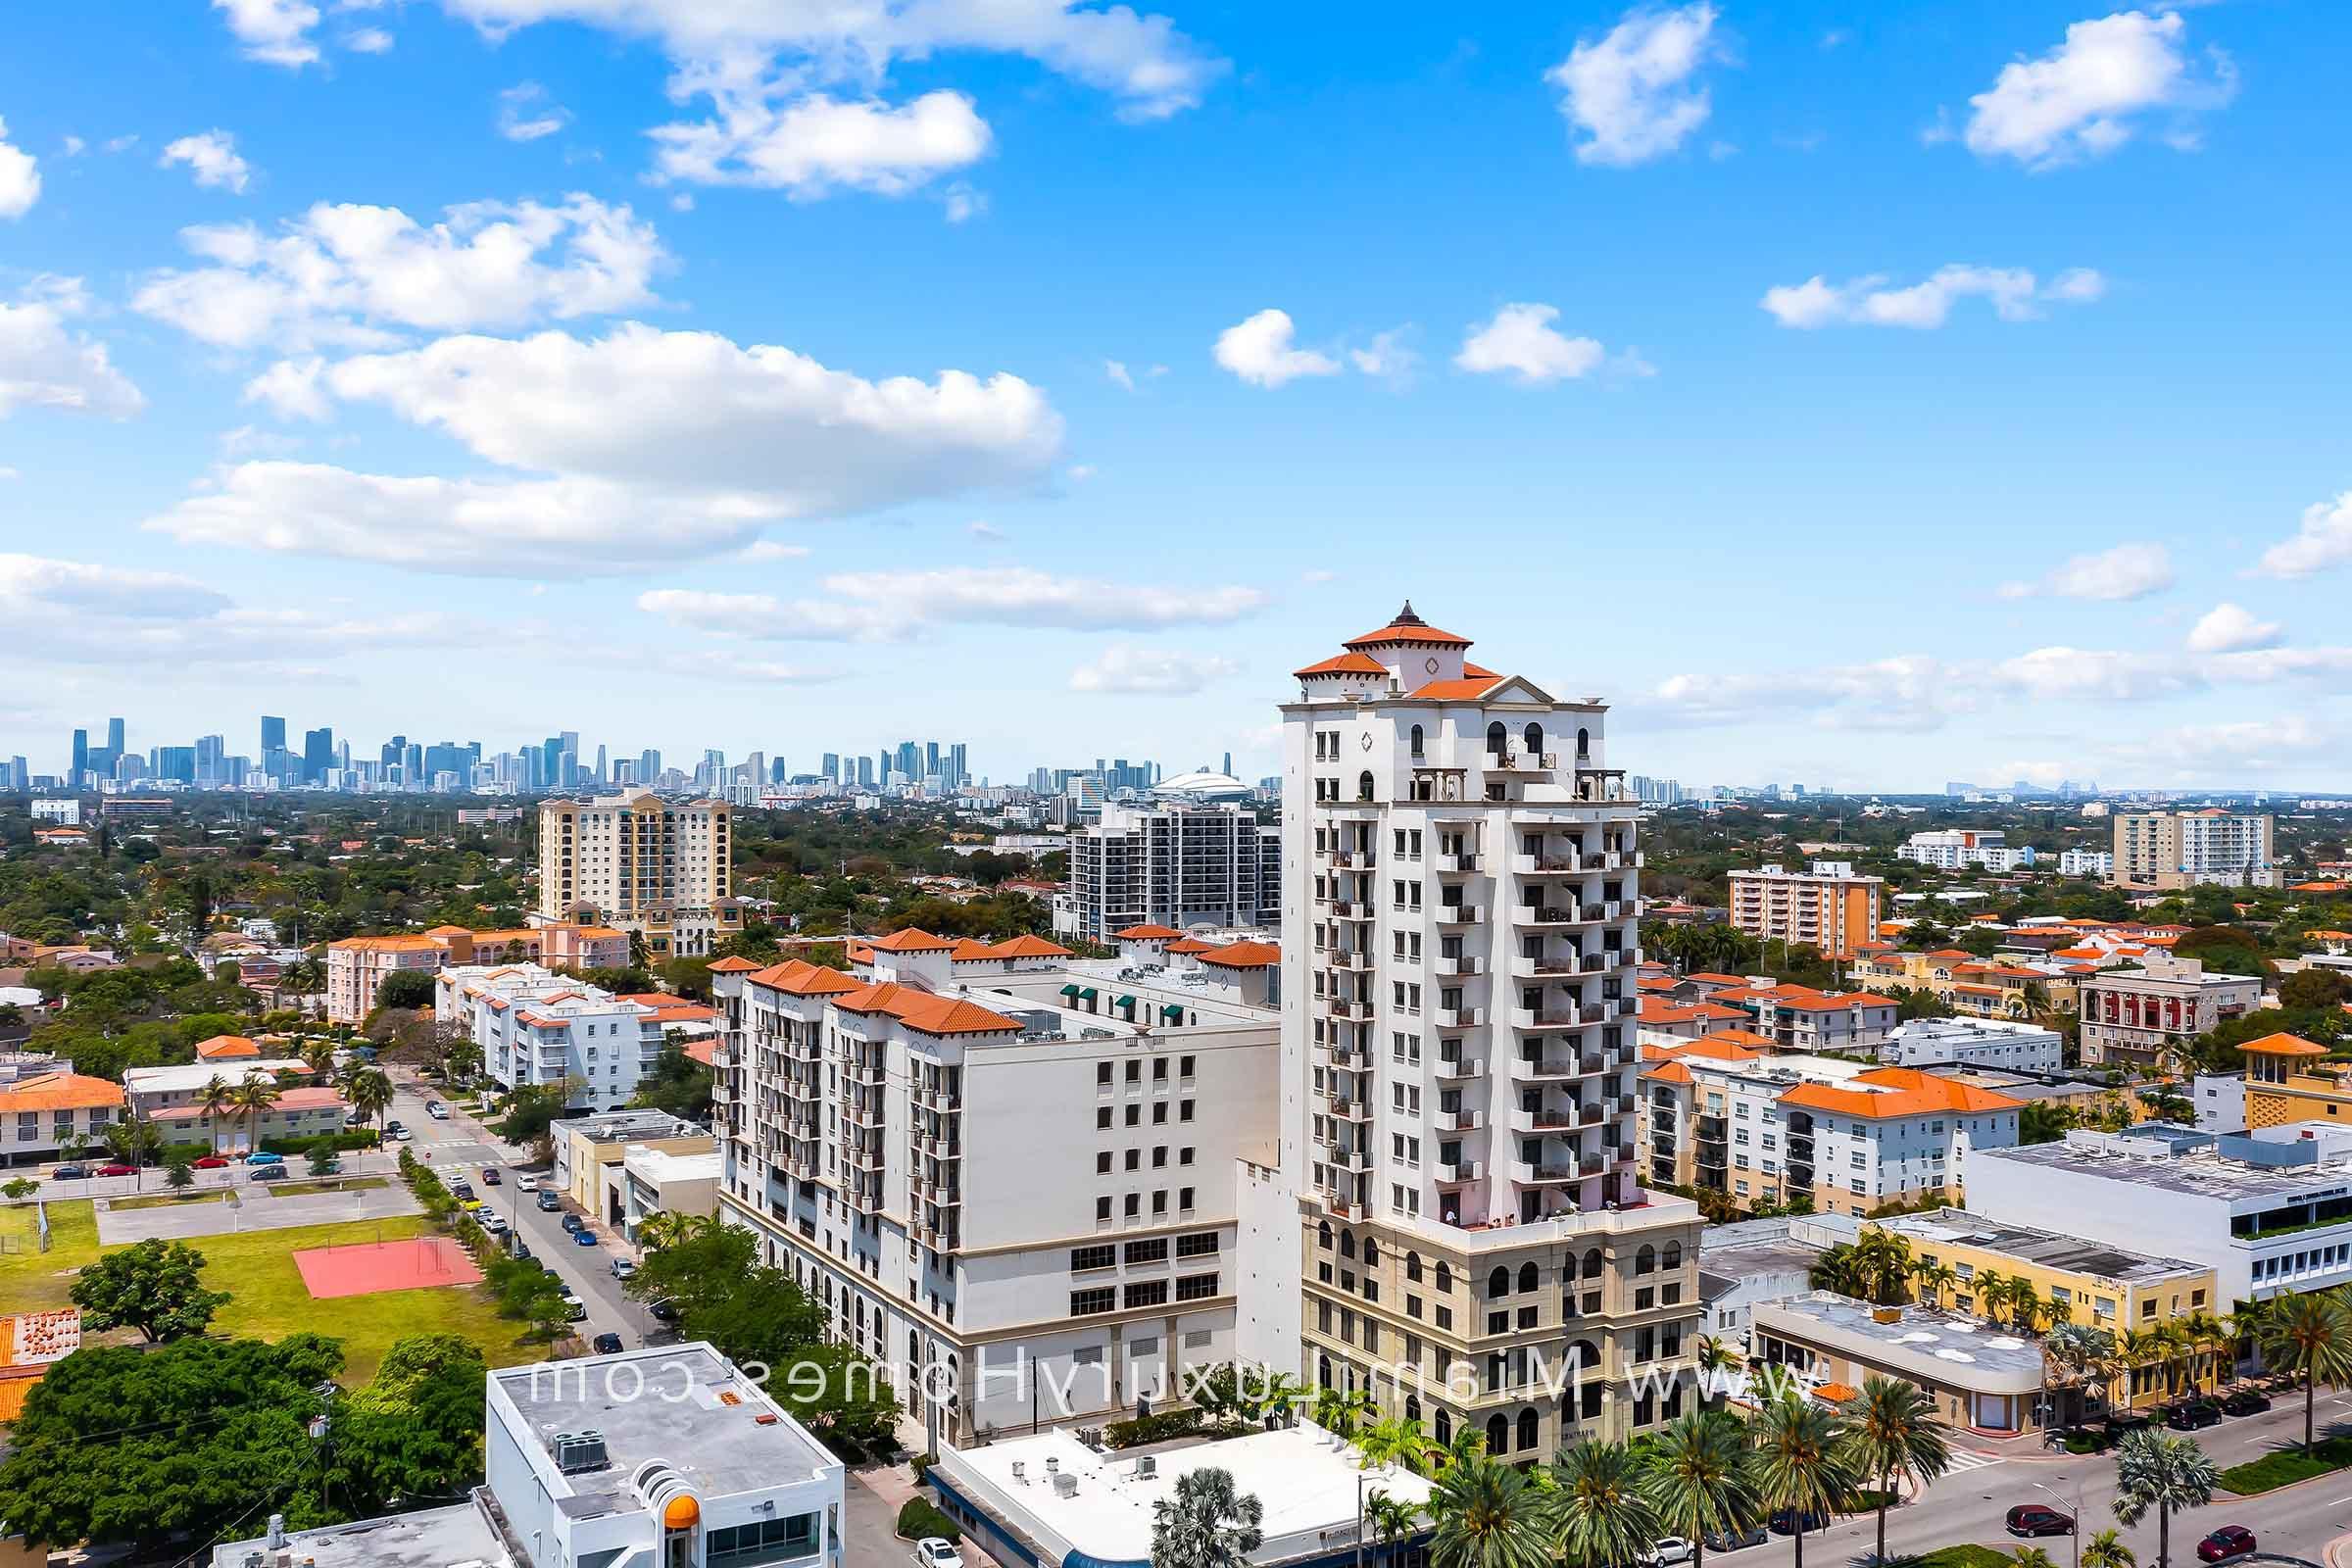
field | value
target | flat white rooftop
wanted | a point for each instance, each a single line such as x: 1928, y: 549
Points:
x: 186, y: 1080
x: 1306, y: 1478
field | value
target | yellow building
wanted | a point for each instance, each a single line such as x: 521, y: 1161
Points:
x: 2127, y: 1294
x: 1984, y: 988
x: 2288, y: 1079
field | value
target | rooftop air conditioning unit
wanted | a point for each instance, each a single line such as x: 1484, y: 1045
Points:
x: 1065, y: 1485
x: 575, y: 1452
x: 1146, y: 1466
x: 1021, y: 1472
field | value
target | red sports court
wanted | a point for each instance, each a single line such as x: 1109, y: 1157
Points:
x: 364, y: 1268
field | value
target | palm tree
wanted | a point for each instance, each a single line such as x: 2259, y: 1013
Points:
x: 1803, y: 1461
x: 1398, y: 1441
x: 1884, y: 1260
x: 2208, y: 1336
x: 668, y: 1228
x: 1488, y: 1516
x: 1699, y: 1482
x: 1602, y: 1514
x: 1467, y: 1446
x: 2106, y: 1550
x: 1277, y: 1394
x: 2070, y: 1355
x: 371, y: 1095
x: 2156, y: 1470
x: 2245, y: 1326
x: 216, y: 1098
x: 1992, y: 1293
x: 1893, y: 1432
x: 1717, y: 1361
x: 1392, y: 1520
x: 1835, y: 1269
x: 1207, y: 1524
x: 2032, y: 1557
x: 2309, y: 1334
x: 317, y: 1054
x: 2140, y: 1348
x: 1933, y: 1280
x: 250, y: 1097
x: 2025, y: 1304
x: 1338, y: 1410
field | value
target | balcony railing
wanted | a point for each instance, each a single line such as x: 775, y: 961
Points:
x: 1455, y: 1122
x: 1460, y: 1171
x: 1456, y: 865
x: 1515, y: 761
x: 1532, y: 1174
x: 1460, y: 914
x: 1458, y: 964
x: 1460, y: 1017
x: 1459, y: 1068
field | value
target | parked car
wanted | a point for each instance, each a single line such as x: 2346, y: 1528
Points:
x: 572, y: 1222
x: 573, y: 1308
x: 664, y: 1310
x: 2194, y: 1416
x: 491, y: 1220
x: 1737, y: 1539
x: 524, y: 1181
x: 333, y: 1167
x: 2231, y: 1540
x: 398, y: 1133
x: 605, y: 1345
x: 547, y: 1202
x: 70, y: 1173
x: 1788, y: 1522
x: 934, y: 1552
x: 437, y: 1111
x: 461, y: 1189
x: 209, y: 1162
x: 2246, y: 1401
x: 118, y: 1170
x: 490, y: 1176
x: 1670, y: 1552
x: 520, y: 1248
x: 271, y: 1173
x: 2037, y: 1519
x: 394, y: 1126
x: 584, y: 1237
x: 622, y: 1268
x: 264, y: 1158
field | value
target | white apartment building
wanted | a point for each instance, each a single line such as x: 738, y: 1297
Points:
x: 2270, y: 1212
x: 534, y: 1026
x: 2137, y: 1016
x: 1950, y: 849
x: 357, y: 967
x: 42, y: 1107
x: 1825, y: 906
x: 656, y: 870
x: 2164, y: 851
x: 59, y: 811
x: 1458, y: 1171
x: 2085, y: 863
x: 998, y: 1166
x: 1170, y: 863
x: 1973, y: 1043
x: 1853, y: 1138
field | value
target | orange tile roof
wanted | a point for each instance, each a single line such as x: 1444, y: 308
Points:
x: 1468, y: 669
x: 1655, y: 1011
x: 733, y: 963
x: 799, y: 978
x: 15, y: 1388
x: 912, y: 940
x: 1344, y: 664
x: 2284, y: 1045
x: 702, y: 1050
x: 1898, y: 1092
x: 1192, y: 945
x: 1244, y: 956
x: 1718, y: 978
x: 1454, y: 691
x: 383, y: 944
x: 1670, y: 1072
x: 1029, y: 944
x: 1146, y: 933
x: 1407, y: 627
x: 1715, y: 1048
x: 925, y: 1012
x: 969, y: 951
x: 221, y: 1045
x: 1657, y: 982
x: 1741, y: 1037
x: 59, y: 1091
x: 675, y: 1010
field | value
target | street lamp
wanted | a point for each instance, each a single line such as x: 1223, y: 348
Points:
x: 2073, y: 1515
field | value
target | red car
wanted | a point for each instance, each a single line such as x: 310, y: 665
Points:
x: 2231, y: 1540
x: 2032, y: 1519
x: 118, y: 1170
x: 209, y: 1163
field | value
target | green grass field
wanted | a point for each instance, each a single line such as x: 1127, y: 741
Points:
x: 210, y: 1194
x: 328, y: 1183
x: 267, y: 1297
x: 2287, y: 1466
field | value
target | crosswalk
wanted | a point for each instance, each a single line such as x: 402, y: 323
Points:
x: 1963, y: 1461
x: 461, y: 1155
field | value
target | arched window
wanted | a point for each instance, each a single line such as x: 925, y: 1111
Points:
x: 1442, y: 1425
x: 1584, y: 745
x: 1412, y: 1267
x: 1417, y: 752
x: 1528, y: 1275
x: 1645, y: 1261
x: 1323, y: 1235
x: 1363, y: 786
x: 1498, y: 1433
x: 1584, y: 1353
x: 1534, y: 736
x: 1445, y: 1278
x: 1413, y: 1407
x: 1527, y: 1427
x: 1499, y: 1283
x: 1371, y: 1252
x: 1347, y: 1244
x: 1673, y: 1255
x: 1498, y: 739
x: 1322, y: 1371
x: 1593, y: 1265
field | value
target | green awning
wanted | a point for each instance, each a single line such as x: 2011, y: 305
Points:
x: 1088, y: 995
x: 1071, y: 990
x: 1123, y: 1002
x: 1171, y: 1010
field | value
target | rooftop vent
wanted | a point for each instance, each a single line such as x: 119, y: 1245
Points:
x: 1146, y: 1466
x: 577, y: 1451
x: 1065, y: 1485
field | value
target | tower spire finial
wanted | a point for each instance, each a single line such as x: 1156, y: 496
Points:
x: 1407, y: 617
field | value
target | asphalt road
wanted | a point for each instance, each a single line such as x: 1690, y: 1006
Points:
x: 459, y: 1147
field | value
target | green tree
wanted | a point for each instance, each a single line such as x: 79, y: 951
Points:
x: 406, y: 988
x: 2106, y: 1550
x: 1397, y: 1439
x: 2309, y: 1335
x: 1699, y: 1480
x: 1208, y: 1523
x: 1804, y: 1461
x: 321, y: 1159
x: 2031, y: 1557
x: 1600, y: 1513
x: 153, y: 1286
x: 180, y: 1171
x: 18, y: 1189
x: 1893, y: 1432
x: 2155, y: 1470
x: 416, y: 1431
x: 1486, y: 1515
x: 371, y: 1095
x: 677, y: 1084
x: 1392, y: 1520
x: 2309, y: 990
x: 532, y: 1108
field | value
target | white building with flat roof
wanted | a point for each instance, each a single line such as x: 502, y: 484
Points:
x: 1171, y: 862
x: 1973, y: 1043
x: 535, y: 1026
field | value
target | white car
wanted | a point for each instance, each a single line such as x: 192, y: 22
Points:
x: 526, y: 1184
x: 933, y: 1552
x: 573, y: 1308
x: 1669, y: 1552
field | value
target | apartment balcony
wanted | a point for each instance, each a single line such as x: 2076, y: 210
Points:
x: 859, y: 1111
x: 1351, y: 910
x: 1352, y: 860
x: 863, y: 1156
x: 939, y: 1194
x: 1347, y: 1011
x: 1519, y: 762
x: 1342, y: 1207
x: 1461, y: 914
x: 1524, y: 1120
x: 1458, y: 964
x: 1549, y: 1174
x: 1353, y: 961
x: 1457, y: 864
x: 1711, y: 1130
x: 1592, y: 1115
x: 1549, y: 865
x: 1455, y: 1121
x: 1545, y: 1018
x: 1460, y: 1017
x: 1456, y: 1069
x: 1352, y: 1110
x: 1548, y: 1068
x: 1356, y: 1161
x: 941, y: 1235
x: 1459, y: 1172
x: 1565, y: 965
x: 1594, y: 1164
x: 1349, y: 1058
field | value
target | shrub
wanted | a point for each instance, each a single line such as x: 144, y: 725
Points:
x: 2085, y: 1443
x: 1157, y: 1426
x: 920, y: 1517
x: 350, y: 1138
x: 921, y: 1465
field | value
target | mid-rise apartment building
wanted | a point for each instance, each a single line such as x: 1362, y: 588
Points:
x: 2087, y: 862
x: 357, y: 967
x: 534, y: 1026
x: 999, y: 1165
x: 1171, y: 864
x: 1825, y: 906
x: 2158, y: 852
x: 44, y: 1105
x: 1459, y: 1066
x: 174, y: 1100
x: 1955, y: 848
x: 2002, y: 1044
x: 656, y: 870
x: 2141, y: 1014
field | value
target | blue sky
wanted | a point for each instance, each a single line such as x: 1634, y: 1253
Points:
x: 1861, y: 395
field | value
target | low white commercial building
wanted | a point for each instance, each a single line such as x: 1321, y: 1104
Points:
x: 534, y: 1026
x: 2221, y: 1102
x: 2269, y: 1212
x: 2137, y: 1017
x: 1975, y: 1043
x: 62, y: 811
x: 656, y: 1181
x: 1951, y: 849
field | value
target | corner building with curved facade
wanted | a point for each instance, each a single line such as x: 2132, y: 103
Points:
x: 1459, y: 1065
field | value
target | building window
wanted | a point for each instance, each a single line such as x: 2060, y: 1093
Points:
x: 1147, y: 1293
x: 1082, y: 1259
x: 1200, y: 1244
x: 1196, y: 1287
x: 1086, y: 1303
x: 1155, y: 1250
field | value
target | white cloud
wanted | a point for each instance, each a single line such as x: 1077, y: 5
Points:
x: 643, y: 447
x: 1386, y: 357
x: 1521, y: 340
x: 2323, y: 540
x: 988, y: 533
x: 526, y: 112
x: 367, y: 41
x: 353, y: 274
x: 44, y: 362
x: 74, y: 146
x: 1903, y: 692
x: 1259, y: 351
x: 894, y: 606
x: 2227, y: 628
x: 2013, y: 291
x: 959, y: 203
x: 2080, y: 100
x: 291, y: 389
x: 27, y: 582
x: 20, y: 177
x: 2242, y: 746
x: 212, y: 157
x: 276, y: 33
x: 2128, y: 572
x: 811, y: 146
x: 771, y: 550
x: 1117, y: 375
x: 1150, y: 672
x: 1629, y: 95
